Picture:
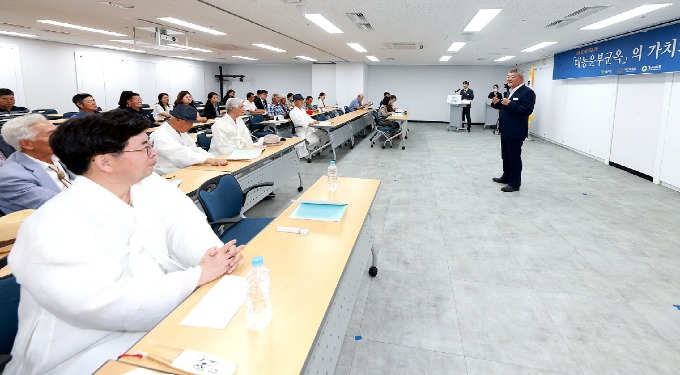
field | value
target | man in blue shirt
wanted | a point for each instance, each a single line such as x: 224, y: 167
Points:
x: 276, y: 108
x: 356, y: 103
x: 85, y: 103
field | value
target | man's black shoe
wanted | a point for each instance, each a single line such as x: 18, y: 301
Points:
x: 499, y: 180
x: 509, y: 189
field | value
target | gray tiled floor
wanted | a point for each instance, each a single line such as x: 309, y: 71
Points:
x: 575, y: 274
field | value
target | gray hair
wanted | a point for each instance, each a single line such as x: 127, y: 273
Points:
x: 360, y: 96
x: 233, y: 103
x: 21, y: 128
x: 518, y: 72
x: 277, y: 96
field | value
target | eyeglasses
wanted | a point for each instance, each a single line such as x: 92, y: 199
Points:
x: 147, y: 148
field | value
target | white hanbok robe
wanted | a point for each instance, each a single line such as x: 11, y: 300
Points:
x: 96, y: 273
x: 229, y: 135
x: 301, y: 121
x: 175, y: 150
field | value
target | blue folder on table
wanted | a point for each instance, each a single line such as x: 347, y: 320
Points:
x: 319, y: 210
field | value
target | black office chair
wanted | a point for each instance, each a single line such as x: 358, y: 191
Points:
x: 45, y: 111
x: 321, y: 117
x: 340, y: 112
x: 347, y: 109
x: 257, y: 129
x: 146, y: 106
x: 9, y: 321
x: 198, y: 103
x: 203, y: 141
x: 69, y: 114
x: 222, y: 200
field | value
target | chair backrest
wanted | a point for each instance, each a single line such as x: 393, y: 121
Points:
x: 331, y: 114
x: 376, y: 116
x: 321, y: 117
x: 221, y: 197
x: 69, y: 114
x: 9, y: 295
x: 347, y: 109
x: 204, y: 141
x: 45, y: 111
x: 146, y: 106
x: 198, y: 102
x: 340, y: 112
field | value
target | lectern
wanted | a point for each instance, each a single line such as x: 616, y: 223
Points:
x: 456, y: 111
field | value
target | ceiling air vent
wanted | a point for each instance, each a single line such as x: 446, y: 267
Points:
x: 356, y: 17
x: 586, y: 11
x: 560, y: 23
x: 402, y: 45
x: 364, y: 26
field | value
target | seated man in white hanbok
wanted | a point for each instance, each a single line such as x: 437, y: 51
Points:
x: 301, y: 121
x: 104, y: 261
x: 229, y: 132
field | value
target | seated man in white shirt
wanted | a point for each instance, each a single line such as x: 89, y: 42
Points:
x: 230, y: 133
x: 315, y: 137
x: 32, y: 175
x: 250, y: 107
x: 176, y: 149
x: 106, y: 260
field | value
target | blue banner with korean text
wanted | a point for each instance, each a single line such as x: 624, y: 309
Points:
x: 654, y: 51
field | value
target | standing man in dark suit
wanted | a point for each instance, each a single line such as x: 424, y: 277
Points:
x: 513, y: 119
x: 466, y: 94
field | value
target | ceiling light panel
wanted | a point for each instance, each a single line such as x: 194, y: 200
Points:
x: 538, y: 46
x: 245, y: 58
x: 306, y: 58
x: 188, y: 58
x: 456, y: 46
x: 481, y: 19
x: 504, y: 58
x: 22, y: 35
x: 265, y: 46
x: 445, y: 58
x: 372, y: 58
x: 189, y: 48
x: 79, y: 27
x: 357, y: 47
x: 190, y: 25
x: 323, y: 23
x: 636, y: 12
x: 119, y: 48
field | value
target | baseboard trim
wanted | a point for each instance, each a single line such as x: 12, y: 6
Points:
x: 632, y: 171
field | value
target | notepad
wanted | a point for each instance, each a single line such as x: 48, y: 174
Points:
x: 219, y: 305
x: 244, y: 155
x: 319, y: 210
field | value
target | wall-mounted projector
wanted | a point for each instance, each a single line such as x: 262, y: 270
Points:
x: 168, y: 38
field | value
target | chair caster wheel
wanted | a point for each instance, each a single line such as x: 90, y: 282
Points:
x: 300, y: 188
x: 373, y: 271
x: 403, y: 147
x: 371, y: 146
x: 309, y: 160
x: 351, y: 147
x: 383, y: 147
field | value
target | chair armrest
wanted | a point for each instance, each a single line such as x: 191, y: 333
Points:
x: 248, y: 189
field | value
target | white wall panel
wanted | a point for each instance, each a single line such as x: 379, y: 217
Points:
x: 280, y: 79
x: 670, y: 162
x: 323, y: 80
x: 10, y: 71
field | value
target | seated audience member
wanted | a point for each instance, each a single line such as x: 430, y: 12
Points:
x: 385, y: 99
x: 230, y: 94
x: 356, y: 103
x: 301, y: 120
x: 163, y: 107
x: 106, y: 260
x: 388, y: 109
x: 276, y: 108
x: 32, y: 175
x: 8, y: 111
x: 175, y: 147
x: 230, y: 133
x: 308, y: 104
x: 132, y: 102
x: 184, y: 97
x: 211, y: 109
x: 85, y: 103
x: 289, y: 101
x: 250, y: 107
x: 322, y: 100
x: 259, y: 102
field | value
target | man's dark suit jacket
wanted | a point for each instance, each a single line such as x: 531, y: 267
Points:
x: 469, y: 95
x: 259, y: 104
x: 514, y: 118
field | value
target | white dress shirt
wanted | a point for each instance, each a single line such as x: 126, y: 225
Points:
x: 96, y: 273
x: 157, y: 110
x: 248, y: 106
x: 50, y: 169
x: 229, y: 135
x: 175, y: 150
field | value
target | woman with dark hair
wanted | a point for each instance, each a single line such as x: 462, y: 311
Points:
x: 163, y: 107
x: 495, y: 93
x: 289, y: 101
x: 322, y: 98
x: 230, y: 94
x: 211, y: 109
x: 133, y: 104
x: 184, y: 97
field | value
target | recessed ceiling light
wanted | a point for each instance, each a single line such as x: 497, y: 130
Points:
x: 445, y: 58
x: 265, y: 46
x: 372, y: 58
x: 357, y: 47
x: 625, y: 16
x: 119, y: 48
x: 187, y: 47
x: 456, y: 46
x: 191, y: 25
x: 323, y: 23
x: 481, y: 19
x: 504, y: 58
x: 538, y: 46
x: 12, y: 33
x: 188, y: 58
x: 245, y: 58
x: 306, y: 58
x: 117, y: 5
x: 79, y: 27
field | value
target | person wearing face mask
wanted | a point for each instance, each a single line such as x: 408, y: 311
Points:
x: 495, y: 93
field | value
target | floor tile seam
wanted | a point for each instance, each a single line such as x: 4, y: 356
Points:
x: 514, y: 364
x: 412, y: 347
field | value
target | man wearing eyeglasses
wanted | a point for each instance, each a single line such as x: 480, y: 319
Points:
x: 176, y: 149
x: 106, y: 260
x: 32, y: 175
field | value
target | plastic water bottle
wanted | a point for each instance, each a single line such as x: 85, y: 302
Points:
x: 405, y: 111
x: 257, y: 299
x: 332, y: 177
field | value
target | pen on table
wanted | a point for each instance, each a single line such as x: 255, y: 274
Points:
x: 293, y: 230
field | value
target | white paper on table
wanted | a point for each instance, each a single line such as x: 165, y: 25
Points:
x: 175, y: 182
x: 244, y: 154
x: 198, y: 363
x: 219, y: 305
x: 325, y: 123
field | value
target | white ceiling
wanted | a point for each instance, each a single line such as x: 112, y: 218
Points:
x: 281, y: 23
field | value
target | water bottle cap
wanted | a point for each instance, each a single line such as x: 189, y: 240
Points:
x: 332, y: 162
x: 257, y: 261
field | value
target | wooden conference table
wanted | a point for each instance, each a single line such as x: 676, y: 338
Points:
x: 341, y: 129
x: 315, y: 280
